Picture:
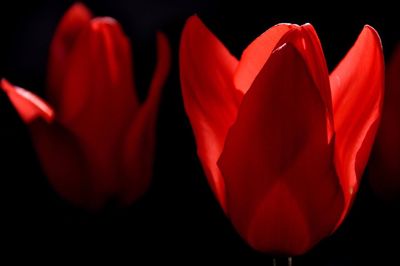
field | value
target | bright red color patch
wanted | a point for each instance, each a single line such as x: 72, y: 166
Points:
x: 283, y: 143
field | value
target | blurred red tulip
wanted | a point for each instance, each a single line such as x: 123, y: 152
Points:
x: 98, y: 143
x: 282, y: 143
x: 385, y: 165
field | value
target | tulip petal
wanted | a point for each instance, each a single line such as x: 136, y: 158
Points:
x: 282, y: 191
x: 256, y: 54
x: 210, y: 99
x: 139, y: 145
x: 313, y: 55
x: 70, y: 26
x: 28, y: 105
x: 306, y: 41
x: 98, y: 101
x: 62, y: 162
x: 58, y: 150
x: 385, y: 167
x: 357, y: 92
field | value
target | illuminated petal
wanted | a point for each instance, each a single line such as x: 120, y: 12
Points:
x: 256, y: 54
x: 357, y: 93
x: 28, y: 105
x: 211, y: 101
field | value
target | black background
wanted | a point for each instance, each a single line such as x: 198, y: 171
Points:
x: 178, y: 220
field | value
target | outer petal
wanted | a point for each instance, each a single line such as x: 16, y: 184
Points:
x: 139, y: 144
x: 71, y: 25
x: 210, y: 99
x: 282, y: 191
x: 256, y: 54
x: 385, y: 176
x: 58, y: 150
x: 357, y: 92
x: 97, y: 100
x: 28, y: 105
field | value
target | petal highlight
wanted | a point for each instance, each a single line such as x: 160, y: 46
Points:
x: 256, y: 54
x: 357, y: 94
x: 28, y: 105
x: 210, y: 99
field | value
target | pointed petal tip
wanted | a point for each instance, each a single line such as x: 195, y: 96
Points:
x: 163, y: 46
x: 308, y: 26
x: 161, y: 37
x: 79, y: 7
x: 162, y: 68
x: 368, y: 29
x: 367, y: 26
x: 6, y: 85
x: 257, y: 53
x: 193, y: 19
x: 28, y: 105
x: 286, y: 24
x: 98, y: 22
x: 163, y: 52
x: 194, y: 24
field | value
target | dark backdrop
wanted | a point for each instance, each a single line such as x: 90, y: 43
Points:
x: 178, y: 219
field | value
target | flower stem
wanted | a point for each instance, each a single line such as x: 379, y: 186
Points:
x: 275, y: 261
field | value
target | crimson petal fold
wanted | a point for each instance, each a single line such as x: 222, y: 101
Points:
x: 283, y: 195
x: 209, y: 95
x: 257, y: 53
x: 357, y: 94
x: 71, y: 25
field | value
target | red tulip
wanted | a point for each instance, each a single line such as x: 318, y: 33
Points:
x: 385, y: 166
x: 98, y: 143
x: 283, y: 143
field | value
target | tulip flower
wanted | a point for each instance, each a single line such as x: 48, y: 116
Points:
x: 283, y: 143
x: 385, y: 168
x: 94, y: 139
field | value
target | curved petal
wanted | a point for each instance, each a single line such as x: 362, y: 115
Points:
x: 97, y: 99
x: 68, y: 30
x: 256, y: 54
x: 210, y: 99
x: 59, y: 152
x: 306, y: 41
x: 357, y: 92
x: 139, y: 144
x: 28, y: 105
x: 385, y: 176
x: 277, y: 161
x: 315, y: 59
x: 62, y: 162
